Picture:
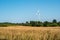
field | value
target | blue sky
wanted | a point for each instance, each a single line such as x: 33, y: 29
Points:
x: 26, y: 10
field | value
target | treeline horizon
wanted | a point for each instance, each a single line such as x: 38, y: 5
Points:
x: 54, y: 23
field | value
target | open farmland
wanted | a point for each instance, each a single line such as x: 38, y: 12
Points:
x: 29, y: 33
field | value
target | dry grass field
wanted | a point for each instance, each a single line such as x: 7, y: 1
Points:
x: 29, y: 33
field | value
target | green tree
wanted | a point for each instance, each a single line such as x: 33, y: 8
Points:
x: 59, y: 23
x: 32, y: 23
x: 54, y: 24
x: 27, y: 23
x: 46, y: 23
x: 54, y: 21
x: 36, y: 23
x: 39, y: 23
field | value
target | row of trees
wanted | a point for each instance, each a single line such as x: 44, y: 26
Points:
x: 33, y: 23
x: 45, y: 24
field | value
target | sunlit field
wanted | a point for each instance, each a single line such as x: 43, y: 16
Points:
x: 29, y: 33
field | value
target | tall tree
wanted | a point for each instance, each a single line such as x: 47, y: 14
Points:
x: 46, y: 23
x: 54, y: 21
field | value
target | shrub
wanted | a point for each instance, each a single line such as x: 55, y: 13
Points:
x: 53, y: 24
x: 3, y: 25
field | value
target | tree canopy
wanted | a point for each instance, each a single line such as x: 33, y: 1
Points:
x: 54, y: 23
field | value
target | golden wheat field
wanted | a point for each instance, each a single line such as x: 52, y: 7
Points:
x: 29, y: 33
